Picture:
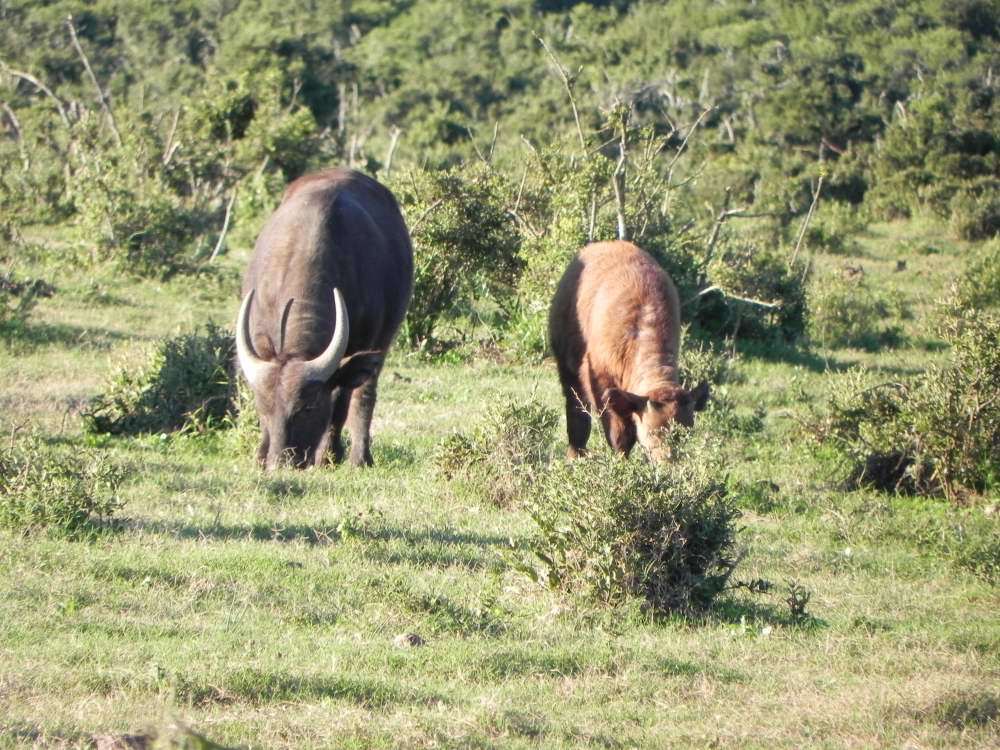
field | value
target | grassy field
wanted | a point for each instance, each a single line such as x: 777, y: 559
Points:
x: 261, y: 610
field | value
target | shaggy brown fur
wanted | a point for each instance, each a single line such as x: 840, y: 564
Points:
x: 614, y: 327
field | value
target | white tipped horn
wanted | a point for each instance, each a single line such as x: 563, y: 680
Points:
x: 254, y: 368
x: 323, y: 367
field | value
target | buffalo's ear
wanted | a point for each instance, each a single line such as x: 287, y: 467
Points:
x: 623, y: 403
x: 356, y: 369
x: 700, y: 396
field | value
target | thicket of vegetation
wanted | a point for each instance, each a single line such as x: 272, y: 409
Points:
x: 60, y: 490
x: 162, y: 134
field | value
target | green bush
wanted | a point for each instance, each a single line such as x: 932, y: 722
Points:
x: 756, y: 294
x: 975, y: 211
x: 610, y: 528
x: 979, y: 284
x: 938, y: 433
x: 848, y: 311
x: 703, y: 362
x: 182, y: 382
x: 834, y: 229
x: 503, y: 456
x: 465, y: 243
x: 59, y: 489
x: 17, y: 298
x: 125, y: 206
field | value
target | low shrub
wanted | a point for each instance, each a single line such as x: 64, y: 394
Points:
x: 834, y: 230
x: 703, y: 362
x: 465, y: 243
x: 126, y: 207
x: 504, y: 455
x: 17, y: 299
x: 182, y: 382
x: 979, y: 284
x: 59, y: 489
x: 756, y: 294
x: 938, y: 433
x: 610, y: 528
x: 975, y: 211
x: 851, y: 312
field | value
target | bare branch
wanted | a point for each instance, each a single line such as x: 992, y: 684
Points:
x: 101, y: 96
x: 390, y: 152
x: 15, y: 124
x: 427, y: 212
x: 688, y: 135
x: 729, y: 295
x: 493, y: 143
x: 805, y: 222
x: 170, y: 147
x: 225, y: 227
x: 41, y: 87
x: 568, y: 84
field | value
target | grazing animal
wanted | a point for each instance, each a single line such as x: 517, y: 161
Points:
x: 614, y: 327
x: 326, y: 290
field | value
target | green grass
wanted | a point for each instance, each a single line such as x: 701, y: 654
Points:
x: 261, y: 610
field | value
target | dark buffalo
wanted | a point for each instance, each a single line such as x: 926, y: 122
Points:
x: 614, y: 327
x: 325, y: 293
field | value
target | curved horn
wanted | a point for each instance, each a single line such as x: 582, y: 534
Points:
x: 323, y: 367
x: 254, y: 368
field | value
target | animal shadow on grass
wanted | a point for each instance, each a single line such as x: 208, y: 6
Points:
x: 778, y: 351
x: 386, y: 544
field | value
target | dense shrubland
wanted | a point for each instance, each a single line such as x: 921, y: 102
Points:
x: 206, y: 111
x: 936, y: 433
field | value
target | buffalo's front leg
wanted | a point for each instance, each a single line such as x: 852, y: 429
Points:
x: 360, y: 420
x: 620, y: 433
x: 341, y: 403
x: 577, y: 416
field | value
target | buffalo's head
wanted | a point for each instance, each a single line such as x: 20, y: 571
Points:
x: 653, y: 414
x: 295, y: 397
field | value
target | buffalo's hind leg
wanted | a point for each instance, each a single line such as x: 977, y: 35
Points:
x: 577, y: 416
x: 360, y: 420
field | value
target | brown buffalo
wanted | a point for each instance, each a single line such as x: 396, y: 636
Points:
x: 325, y: 292
x: 614, y: 327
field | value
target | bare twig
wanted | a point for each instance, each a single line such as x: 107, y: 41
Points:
x: 15, y: 124
x: 568, y: 84
x: 427, y: 212
x: 493, y: 143
x: 390, y: 152
x: 101, y: 96
x: 618, y: 182
x: 729, y: 295
x: 620, y: 117
x: 805, y: 222
x: 225, y: 226
x: 687, y: 137
x: 170, y: 147
x: 41, y: 87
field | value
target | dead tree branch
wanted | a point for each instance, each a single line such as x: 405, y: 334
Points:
x: 225, y: 227
x: 41, y: 87
x: 805, y: 222
x: 101, y: 96
x: 568, y: 84
x: 15, y: 124
x: 394, y: 135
